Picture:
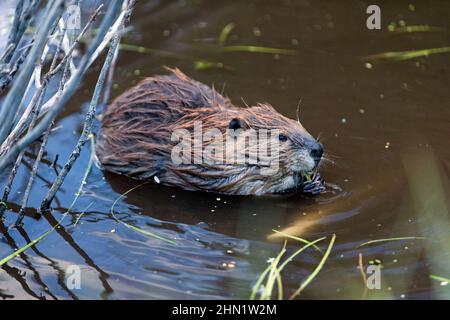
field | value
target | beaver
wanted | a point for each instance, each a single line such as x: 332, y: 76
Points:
x: 136, y: 139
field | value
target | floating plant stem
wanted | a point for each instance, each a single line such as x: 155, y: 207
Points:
x: 439, y: 278
x: 419, y: 28
x: 390, y: 239
x: 394, y: 56
x: 225, y: 33
x: 256, y: 49
x: 27, y: 246
x: 150, y: 234
x: 316, y: 271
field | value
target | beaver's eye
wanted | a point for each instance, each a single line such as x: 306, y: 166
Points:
x: 282, y: 137
x: 236, y: 123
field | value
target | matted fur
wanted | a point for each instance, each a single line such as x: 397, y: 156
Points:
x: 135, y: 137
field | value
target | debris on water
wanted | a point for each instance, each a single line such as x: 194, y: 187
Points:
x: 294, y: 42
x: 113, y: 230
x: 362, y: 111
x: 411, y: 7
x: 387, y: 145
x: 344, y: 120
x: 217, y: 199
x: 257, y: 32
x: 402, y: 296
x: 156, y: 179
x: 368, y: 65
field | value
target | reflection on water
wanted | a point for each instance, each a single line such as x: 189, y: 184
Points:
x: 385, y: 127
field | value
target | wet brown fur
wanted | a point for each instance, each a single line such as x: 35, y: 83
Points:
x: 135, y: 137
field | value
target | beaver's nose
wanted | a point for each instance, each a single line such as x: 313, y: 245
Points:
x: 316, y: 152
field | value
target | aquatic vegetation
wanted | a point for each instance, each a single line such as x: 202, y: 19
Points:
x: 257, y: 49
x: 444, y: 281
x: 225, y: 33
x: 390, y: 239
x: 134, y: 228
x: 316, y: 270
x: 417, y: 28
x: 272, y: 274
x: 394, y: 56
x: 296, y: 238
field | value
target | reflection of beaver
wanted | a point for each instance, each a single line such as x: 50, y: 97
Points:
x: 136, y: 139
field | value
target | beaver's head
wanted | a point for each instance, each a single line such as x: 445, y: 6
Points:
x: 269, y: 153
x: 296, y: 152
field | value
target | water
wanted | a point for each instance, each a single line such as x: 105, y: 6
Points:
x: 385, y: 126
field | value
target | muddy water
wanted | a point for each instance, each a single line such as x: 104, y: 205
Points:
x: 385, y: 128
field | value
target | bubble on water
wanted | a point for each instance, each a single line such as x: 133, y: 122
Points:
x: 344, y: 120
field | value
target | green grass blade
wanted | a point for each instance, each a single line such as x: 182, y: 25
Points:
x: 297, y: 238
x: 27, y: 246
x: 419, y: 28
x: 394, y: 56
x: 390, y: 239
x: 134, y: 228
x: 296, y: 253
x: 225, y: 33
x: 439, y: 278
x: 261, y: 278
x: 316, y: 270
x: 256, y: 49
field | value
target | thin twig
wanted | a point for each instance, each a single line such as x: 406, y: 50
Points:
x: 14, y: 96
x: 44, y: 140
x: 87, y: 127
x: 10, y: 149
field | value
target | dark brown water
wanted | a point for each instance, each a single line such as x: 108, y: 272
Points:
x: 385, y: 126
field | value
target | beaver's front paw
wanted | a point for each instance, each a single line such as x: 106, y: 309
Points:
x: 313, y: 186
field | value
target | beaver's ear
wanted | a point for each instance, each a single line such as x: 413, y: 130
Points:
x: 236, y: 123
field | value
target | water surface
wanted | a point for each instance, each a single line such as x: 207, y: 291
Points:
x: 385, y: 126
